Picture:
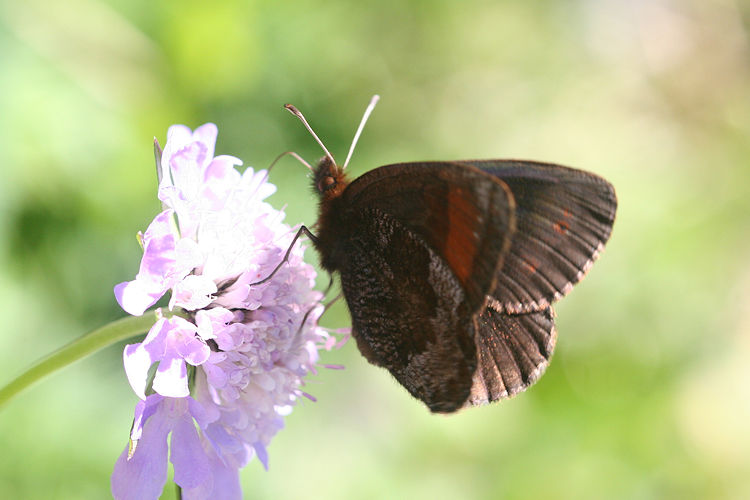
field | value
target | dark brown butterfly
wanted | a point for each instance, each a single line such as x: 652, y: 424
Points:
x: 450, y: 268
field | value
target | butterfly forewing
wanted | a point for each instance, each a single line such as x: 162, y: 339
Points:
x: 462, y: 213
x: 563, y: 217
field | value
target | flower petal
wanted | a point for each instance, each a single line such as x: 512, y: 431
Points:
x: 156, y: 270
x: 171, y: 376
x: 143, y: 476
x: 203, y: 415
x: 136, y: 296
x: 209, y: 321
x: 193, y: 350
x: 226, y: 483
x: 206, y: 134
x: 193, y: 292
x: 191, y: 467
x: 157, y: 339
x: 262, y: 454
x: 177, y: 137
x: 137, y: 360
x: 158, y: 248
x: 143, y: 411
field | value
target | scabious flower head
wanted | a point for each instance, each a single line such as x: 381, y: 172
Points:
x: 231, y: 358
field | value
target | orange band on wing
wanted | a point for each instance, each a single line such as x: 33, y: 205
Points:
x: 461, y: 240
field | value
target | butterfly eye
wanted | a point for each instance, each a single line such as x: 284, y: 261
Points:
x: 327, y: 183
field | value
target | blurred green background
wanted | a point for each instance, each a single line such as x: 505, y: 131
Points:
x: 648, y: 394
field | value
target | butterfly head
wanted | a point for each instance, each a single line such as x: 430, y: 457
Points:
x: 329, y: 180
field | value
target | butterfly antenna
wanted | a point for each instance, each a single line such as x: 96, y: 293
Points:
x: 368, y: 111
x: 296, y: 112
x: 276, y: 160
x: 293, y: 155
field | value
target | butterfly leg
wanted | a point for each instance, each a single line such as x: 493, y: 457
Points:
x: 302, y: 230
x: 326, y: 306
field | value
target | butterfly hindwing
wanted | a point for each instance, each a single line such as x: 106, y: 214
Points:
x: 513, y: 350
x: 563, y: 217
x: 409, y: 312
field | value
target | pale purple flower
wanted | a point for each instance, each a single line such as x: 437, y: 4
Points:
x: 231, y: 356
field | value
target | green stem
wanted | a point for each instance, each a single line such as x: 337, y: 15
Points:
x: 81, y: 347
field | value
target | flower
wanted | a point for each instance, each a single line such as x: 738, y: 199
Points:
x: 232, y: 355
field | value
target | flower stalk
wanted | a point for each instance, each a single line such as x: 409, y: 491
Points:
x: 76, y: 350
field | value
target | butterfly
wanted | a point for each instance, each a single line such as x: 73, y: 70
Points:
x: 450, y: 268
